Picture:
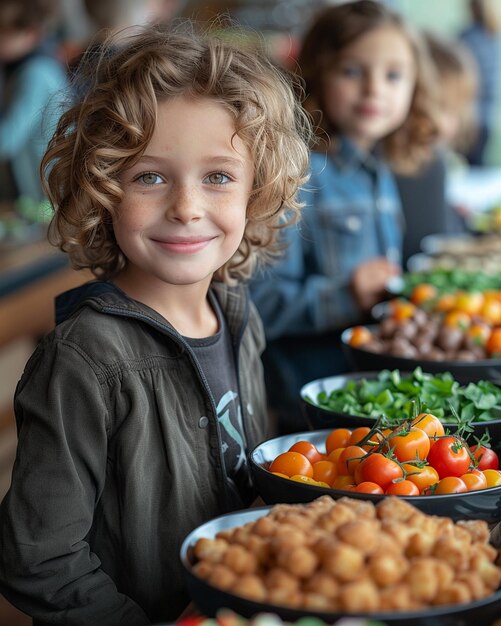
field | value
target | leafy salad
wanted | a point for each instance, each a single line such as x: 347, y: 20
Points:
x: 395, y: 396
x: 450, y: 280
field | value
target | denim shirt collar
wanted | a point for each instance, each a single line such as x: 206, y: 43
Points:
x: 347, y: 156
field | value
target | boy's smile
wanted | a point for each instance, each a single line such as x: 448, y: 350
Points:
x: 183, y: 213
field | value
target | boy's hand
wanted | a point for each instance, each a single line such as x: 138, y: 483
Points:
x: 369, y: 281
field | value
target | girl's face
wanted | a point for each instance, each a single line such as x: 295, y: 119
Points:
x: 368, y: 91
x: 183, y: 213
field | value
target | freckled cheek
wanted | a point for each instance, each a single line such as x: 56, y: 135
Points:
x: 131, y: 219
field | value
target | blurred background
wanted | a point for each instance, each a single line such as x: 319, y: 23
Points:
x: 283, y: 22
x: 31, y: 273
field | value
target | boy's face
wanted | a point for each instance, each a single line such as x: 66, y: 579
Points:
x: 183, y: 213
x: 368, y: 92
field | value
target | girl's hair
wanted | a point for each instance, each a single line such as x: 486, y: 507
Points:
x: 458, y: 84
x: 108, y: 130
x: 338, y: 26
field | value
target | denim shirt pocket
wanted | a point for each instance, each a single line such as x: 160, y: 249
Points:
x: 349, y: 238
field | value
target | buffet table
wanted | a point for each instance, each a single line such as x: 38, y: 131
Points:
x: 31, y: 275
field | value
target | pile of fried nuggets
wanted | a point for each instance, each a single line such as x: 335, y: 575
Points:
x: 350, y: 555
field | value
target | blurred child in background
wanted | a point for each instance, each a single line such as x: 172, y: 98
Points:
x: 135, y: 416
x: 32, y: 85
x: 367, y: 82
x: 483, y: 40
x: 115, y: 17
x: 426, y: 207
x: 457, y: 91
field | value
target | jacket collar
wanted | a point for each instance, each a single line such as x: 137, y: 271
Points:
x: 347, y: 156
x: 108, y: 298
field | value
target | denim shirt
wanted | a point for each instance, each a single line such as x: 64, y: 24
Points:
x: 352, y: 213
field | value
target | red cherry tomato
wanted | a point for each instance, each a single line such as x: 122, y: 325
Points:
x: 486, y: 457
x: 376, y: 468
x: 449, y: 456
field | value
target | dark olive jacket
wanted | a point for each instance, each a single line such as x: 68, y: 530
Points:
x: 119, y: 457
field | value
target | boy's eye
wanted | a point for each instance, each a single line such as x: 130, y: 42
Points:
x: 217, y: 178
x: 150, y: 178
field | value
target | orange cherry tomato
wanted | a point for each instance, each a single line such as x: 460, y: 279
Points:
x: 359, y: 336
x: 457, y: 319
x: 402, y: 309
x: 491, y: 311
x: 431, y: 425
x: 470, y: 302
x: 334, y: 455
x: 493, y: 344
x: 337, y: 438
x: 324, y: 471
x: 349, y: 459
x: 474, y: 480
x: 493, y: 477
x: 422, y: 477
x: 450, y: 484
x: 342, y: 482
x: 368, y: 487
x: 410, y: 444
x: 280, y: 475
x: 299, y: 478
x: 308, y: 449
x: 423, y: 293
x: 376, y: 468
x: 478, y: 333
x: 402, y: 488
x: 445, y: 302
x: 357, y: 435
x: 380, y: 436
x: 358, y: 474
x: 291, y: 463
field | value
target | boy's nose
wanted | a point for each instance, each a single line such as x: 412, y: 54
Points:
x: 184, y: 205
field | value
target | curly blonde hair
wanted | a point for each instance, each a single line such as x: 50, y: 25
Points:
x: 107, y: 131
x: 336, y: 27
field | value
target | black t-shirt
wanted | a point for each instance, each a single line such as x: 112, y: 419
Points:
x: 217, y: 360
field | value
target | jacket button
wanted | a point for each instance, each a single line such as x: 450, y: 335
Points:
x: 203, y: 422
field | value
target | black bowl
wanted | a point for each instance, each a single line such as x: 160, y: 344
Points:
x: 484, y: 504
x: 463, y: 371
x: 210, y: 599
x: 319, y: 417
